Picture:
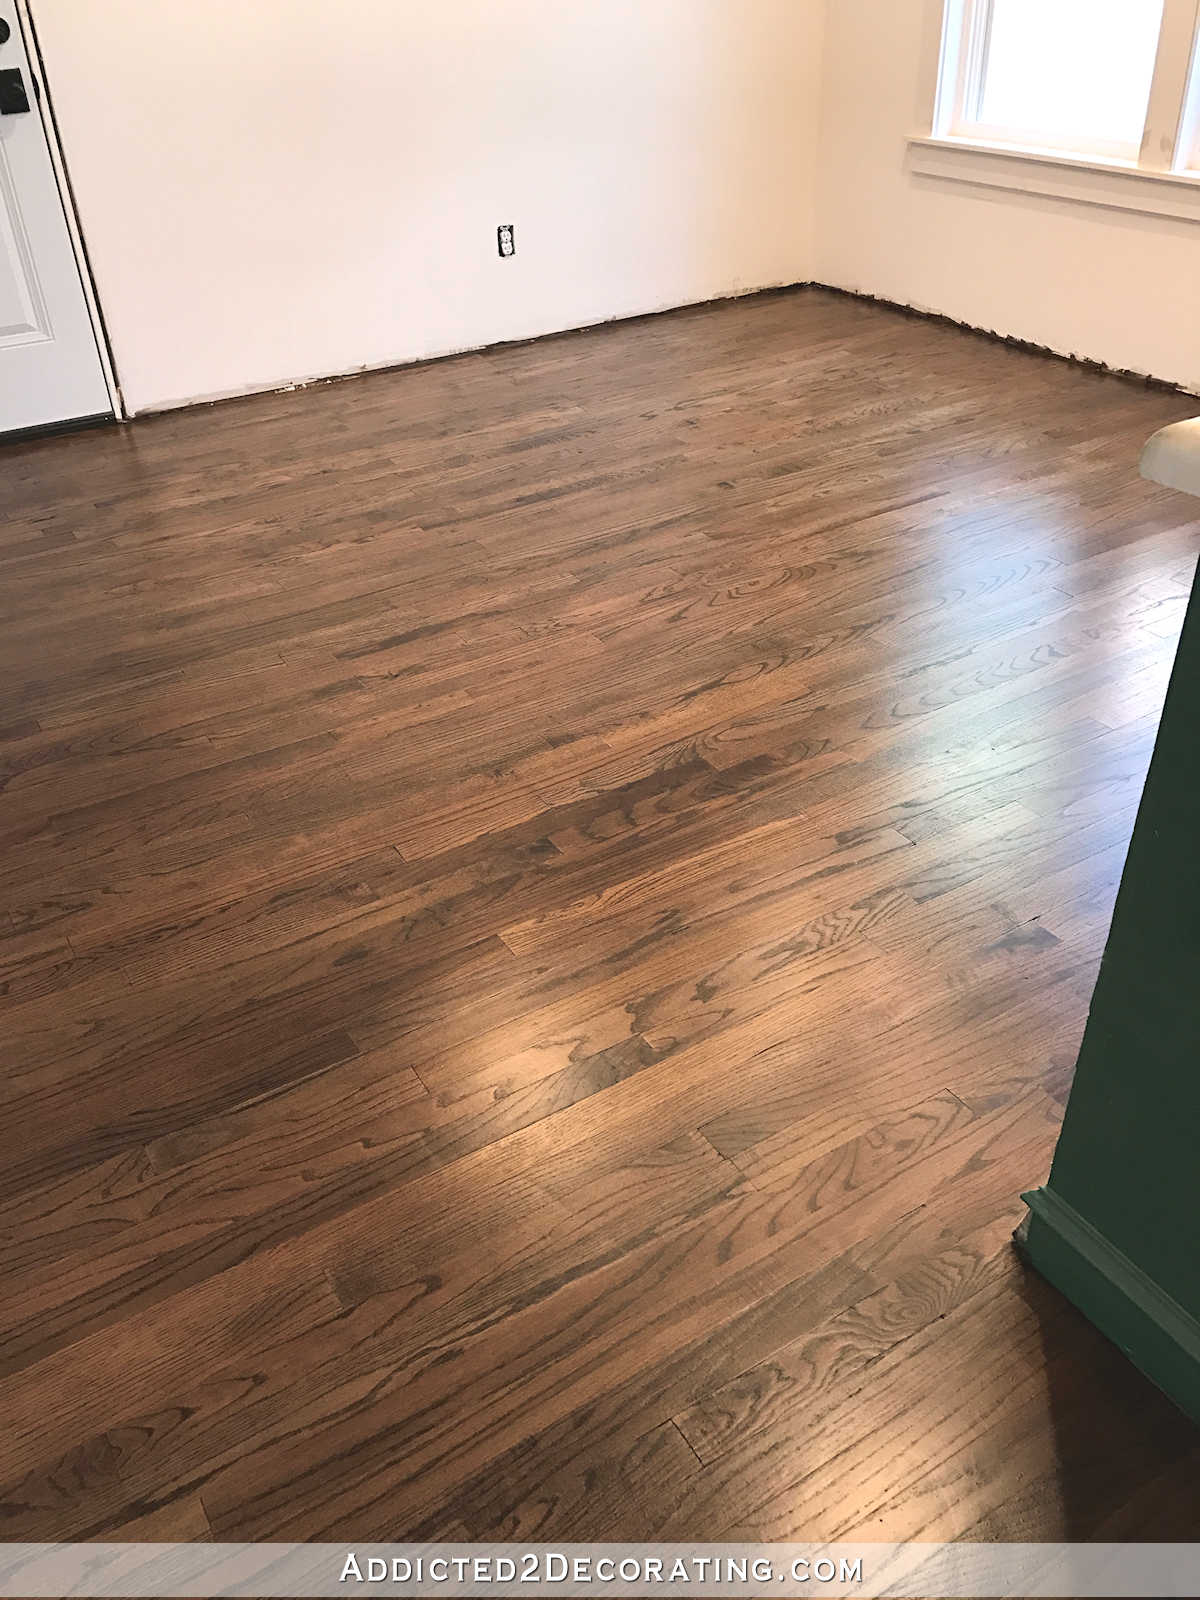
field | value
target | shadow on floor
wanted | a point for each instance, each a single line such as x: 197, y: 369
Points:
x: 1120, y: 1463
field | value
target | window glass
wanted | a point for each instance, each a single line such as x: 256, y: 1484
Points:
x: 1071, y: 71
x: 1189, y: 149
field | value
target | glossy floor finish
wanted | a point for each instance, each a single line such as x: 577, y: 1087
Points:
x: 549, y: 902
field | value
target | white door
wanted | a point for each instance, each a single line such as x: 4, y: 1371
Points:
x: 50, y: 368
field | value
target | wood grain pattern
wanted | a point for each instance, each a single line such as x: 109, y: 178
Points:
x: 547, y: 904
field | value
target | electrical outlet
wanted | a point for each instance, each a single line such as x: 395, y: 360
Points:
x: 506, y: 239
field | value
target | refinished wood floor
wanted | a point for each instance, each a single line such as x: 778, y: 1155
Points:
x: 548, y: 903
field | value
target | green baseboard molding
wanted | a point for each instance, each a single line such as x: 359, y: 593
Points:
x: 1158, y: 1335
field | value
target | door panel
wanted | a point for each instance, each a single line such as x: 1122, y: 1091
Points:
x: 23, y: 317
x: 50, y: 368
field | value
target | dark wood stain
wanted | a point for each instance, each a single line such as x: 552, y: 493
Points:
x: 571, y: 1073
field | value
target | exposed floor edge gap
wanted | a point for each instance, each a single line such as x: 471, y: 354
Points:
x: 1086, y: 363
x: 290, y: 386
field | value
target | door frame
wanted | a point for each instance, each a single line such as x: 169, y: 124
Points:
x: 45, y: 111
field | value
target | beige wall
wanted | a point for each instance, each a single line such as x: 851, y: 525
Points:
x: 273, y: 190
x: 1113, y: 286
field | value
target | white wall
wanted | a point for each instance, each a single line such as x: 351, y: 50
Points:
x: 273, y: 190
x: 1113, y: 286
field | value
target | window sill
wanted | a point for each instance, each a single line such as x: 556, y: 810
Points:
x: 1063, y: 177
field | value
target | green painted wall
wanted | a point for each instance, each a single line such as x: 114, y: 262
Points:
x: 1117, y: 1226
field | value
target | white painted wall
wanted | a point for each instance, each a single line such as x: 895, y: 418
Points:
x: 1112, y: 286
x: 274, y: 190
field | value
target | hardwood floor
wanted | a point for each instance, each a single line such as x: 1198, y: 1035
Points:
x: 547, y: 906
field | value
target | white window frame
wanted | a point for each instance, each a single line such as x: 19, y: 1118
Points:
x: 1162, y: 176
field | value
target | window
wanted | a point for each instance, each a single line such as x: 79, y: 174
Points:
x: 1104, y: 80
x: 1189, y: 141
x: 1055, y: 75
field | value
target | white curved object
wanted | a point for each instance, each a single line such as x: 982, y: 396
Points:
x: 1172, y: 457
